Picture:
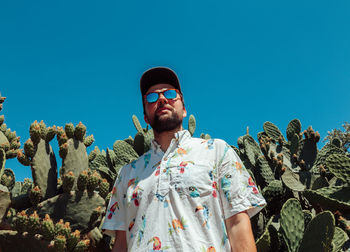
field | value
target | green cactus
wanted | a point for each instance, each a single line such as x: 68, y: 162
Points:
x: 143, y: 137
x: 307, y: 217
x: 103, y: 188
x: 39, y: 155
x: 93, y: 181
x: 292, y: 224
x: 82, y: 180
x: 35, y: 196
x: 73, y: 240
x: 62, y: 228
x: 191, y: 124
x: 272, y: 131
x: 75, y: 208
x: 322, y: 155
x: 82, y: 246
x: 251, y: 149
x: 34, y: 223
x: 59, y: 243
x: 2, y: 162
x: 21, y: 222
x: 293, y: 128
x: 5, y: 200
x: 47, y: 228
x: 332, y: 198
x: 339, y: 239
x: 319, y: 233
x: 68, y: 182
x: 292, y: 181
x: 339, y: 166
x: 73, y: 151
x: 124, y: 152
x: 263, y: 172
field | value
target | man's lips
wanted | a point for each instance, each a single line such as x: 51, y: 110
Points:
x: 162, y: 110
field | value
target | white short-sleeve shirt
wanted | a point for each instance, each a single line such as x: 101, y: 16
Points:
x: 178, y: 200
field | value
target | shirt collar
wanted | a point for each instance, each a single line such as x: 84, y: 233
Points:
x: 180, y: 137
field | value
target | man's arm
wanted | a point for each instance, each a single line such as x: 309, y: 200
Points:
x: 120, y: 244
x: 240, y: 234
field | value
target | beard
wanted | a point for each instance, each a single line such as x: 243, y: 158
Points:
x: 160, y: 125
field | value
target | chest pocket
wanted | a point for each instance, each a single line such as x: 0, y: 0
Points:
x: 194, y: 179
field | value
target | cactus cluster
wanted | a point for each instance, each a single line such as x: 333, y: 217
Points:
x: 307, y: 189
x: 303, y: 186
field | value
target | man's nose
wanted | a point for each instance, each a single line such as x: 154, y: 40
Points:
x: 162, y: 98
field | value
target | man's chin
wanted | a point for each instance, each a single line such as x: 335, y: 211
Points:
x: 166, y: 123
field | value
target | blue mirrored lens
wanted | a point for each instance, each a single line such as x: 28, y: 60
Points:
x: 170, y: 94
x: 152, y: 97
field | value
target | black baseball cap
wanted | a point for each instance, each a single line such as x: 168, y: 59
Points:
x: 158, y: 75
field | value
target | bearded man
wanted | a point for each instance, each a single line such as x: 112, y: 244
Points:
x: 185, y: 193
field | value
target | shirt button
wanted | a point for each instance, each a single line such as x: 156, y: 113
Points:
x: 164, y: 170
x: 165, y: 159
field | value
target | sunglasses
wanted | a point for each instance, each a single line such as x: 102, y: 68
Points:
x: 169, y: 94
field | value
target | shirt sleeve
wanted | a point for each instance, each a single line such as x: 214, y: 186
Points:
x: 115, y: 213
x: 237, y: 189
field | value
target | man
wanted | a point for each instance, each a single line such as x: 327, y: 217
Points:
x: 184, y: 194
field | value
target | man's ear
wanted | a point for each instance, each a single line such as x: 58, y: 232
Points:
x: 184, y: 113
x: 145, y: 118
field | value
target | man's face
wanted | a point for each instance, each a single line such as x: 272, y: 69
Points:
x: 164, y: 115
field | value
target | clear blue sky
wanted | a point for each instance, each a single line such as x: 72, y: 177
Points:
x: 240, y: 64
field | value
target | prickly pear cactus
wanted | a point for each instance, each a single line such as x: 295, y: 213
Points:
x: 307, y: 189
x: 72, y: 143
x: 39, y: 155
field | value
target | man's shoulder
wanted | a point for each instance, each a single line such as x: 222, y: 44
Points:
x: 214, y: 141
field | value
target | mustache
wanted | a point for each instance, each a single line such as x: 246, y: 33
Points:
x: 164, y: 107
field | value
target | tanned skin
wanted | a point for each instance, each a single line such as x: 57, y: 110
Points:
x: 240, y: 233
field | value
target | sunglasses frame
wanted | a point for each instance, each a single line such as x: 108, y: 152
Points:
x: 162, y: 92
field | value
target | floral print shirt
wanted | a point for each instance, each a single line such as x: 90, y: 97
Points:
x: 178, y: 200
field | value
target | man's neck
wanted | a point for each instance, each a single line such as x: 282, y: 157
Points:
x: 164, y: 138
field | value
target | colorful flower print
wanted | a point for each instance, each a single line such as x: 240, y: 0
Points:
x: 133, y: 164
x: 133, y: 181
x: 210, y: 249
x: 181, y: 152
x: 252, y: 184
x: 157, y: 171
x: 114, y: 190
x: 224, y: 236
x: 161, y: 198
x: 239, y: 166
x: 146, y: 159
x: 131, y: 224
x: 215, y: 186
x: 183, y: 165
x: 177, y: 225
x: 135, y: 195
x: 112, y: 209
x: 205, y: 211
x: 193, y: 192
x: 225, y: 186
x: 141, y: 230
x: 210, y: 144
x: 157, y: 245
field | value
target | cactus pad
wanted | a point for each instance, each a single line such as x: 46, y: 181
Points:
x: 75, y: 208
x: 272, y: 131
x: 333, y: 198
x: 292, y: 224
x: 294, y: 127
x: 191, y: 124
x: 319, y: 233
x: 339, y: 166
